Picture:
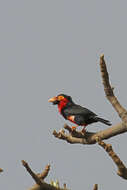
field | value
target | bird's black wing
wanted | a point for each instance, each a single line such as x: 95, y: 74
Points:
x: 78, y: 110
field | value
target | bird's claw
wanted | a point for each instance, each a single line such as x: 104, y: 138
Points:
x: 73, y: 128
x: 83, y: 131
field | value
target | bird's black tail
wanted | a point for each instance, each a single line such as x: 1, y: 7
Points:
x: 103, y: 121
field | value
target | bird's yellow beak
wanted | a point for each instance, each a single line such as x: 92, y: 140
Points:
x: 53, y: 99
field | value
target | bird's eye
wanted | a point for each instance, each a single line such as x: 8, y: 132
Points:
x: 60, y: 98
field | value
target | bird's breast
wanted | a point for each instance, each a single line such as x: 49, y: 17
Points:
x: 61, y: 105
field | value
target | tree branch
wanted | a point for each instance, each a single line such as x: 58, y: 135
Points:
x: 95, y: 187
x: 122, y: 170
x: 122, y: 112
x: 44, y: 174
x: 1, y: 170
x: 74, y: 136
x: 38, y: 178
x: 34, y: 176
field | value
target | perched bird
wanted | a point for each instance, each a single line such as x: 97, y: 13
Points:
x: 75, y: 113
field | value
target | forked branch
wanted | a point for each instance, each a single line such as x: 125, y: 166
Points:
x: 122, y: 170
x: 39, y: 179
x: 122, y: 112
x: 74, y: 136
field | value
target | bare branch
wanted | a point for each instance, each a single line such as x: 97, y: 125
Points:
x: 95, y: 187
x: 122, y: 112
x: 89, y: 138
x: 34, y: 176
x: 38, y: 178
x: 65, y: 187
x: 44, y: 174
x: 1, y: 170
x: 122, y: 170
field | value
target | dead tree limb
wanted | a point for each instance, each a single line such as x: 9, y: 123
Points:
x: 122, y: 112
x: 95, y: 187
x: 39, y: 179
x: 1, y: 170
x: 74, y: 137
x: 122, y: 170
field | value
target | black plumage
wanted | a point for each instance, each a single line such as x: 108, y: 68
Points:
x: 76, y: 113
x: 83, y: 116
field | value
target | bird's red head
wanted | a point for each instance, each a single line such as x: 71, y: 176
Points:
x: 61, y: 100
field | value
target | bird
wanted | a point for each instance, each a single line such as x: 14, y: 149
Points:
x: 75, y: 113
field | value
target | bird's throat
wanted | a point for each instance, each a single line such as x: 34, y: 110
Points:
x: 62, y: 104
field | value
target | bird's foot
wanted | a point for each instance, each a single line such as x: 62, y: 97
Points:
x: 83, y: 131
x: 73, y: 128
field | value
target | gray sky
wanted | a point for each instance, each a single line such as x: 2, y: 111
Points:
x: 48, y: 47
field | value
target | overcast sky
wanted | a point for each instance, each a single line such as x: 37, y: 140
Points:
x: 49, y: 47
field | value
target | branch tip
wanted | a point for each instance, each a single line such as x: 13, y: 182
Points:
x: 65, y: 125
x: 55, y: 133
x: 24, y: 163
x: 98, y: 139
x: 67, y: 128
x: 61, y: 131
x: 95, y: 187
x: 113, y: 87
x: 1, y: 170
x: 65, y: 186
x: 102, y: 56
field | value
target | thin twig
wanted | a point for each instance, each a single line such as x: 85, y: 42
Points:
x: 95, y: 187
x: 1, y: 170
x: 34, y: 176
x: 44, y: 174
